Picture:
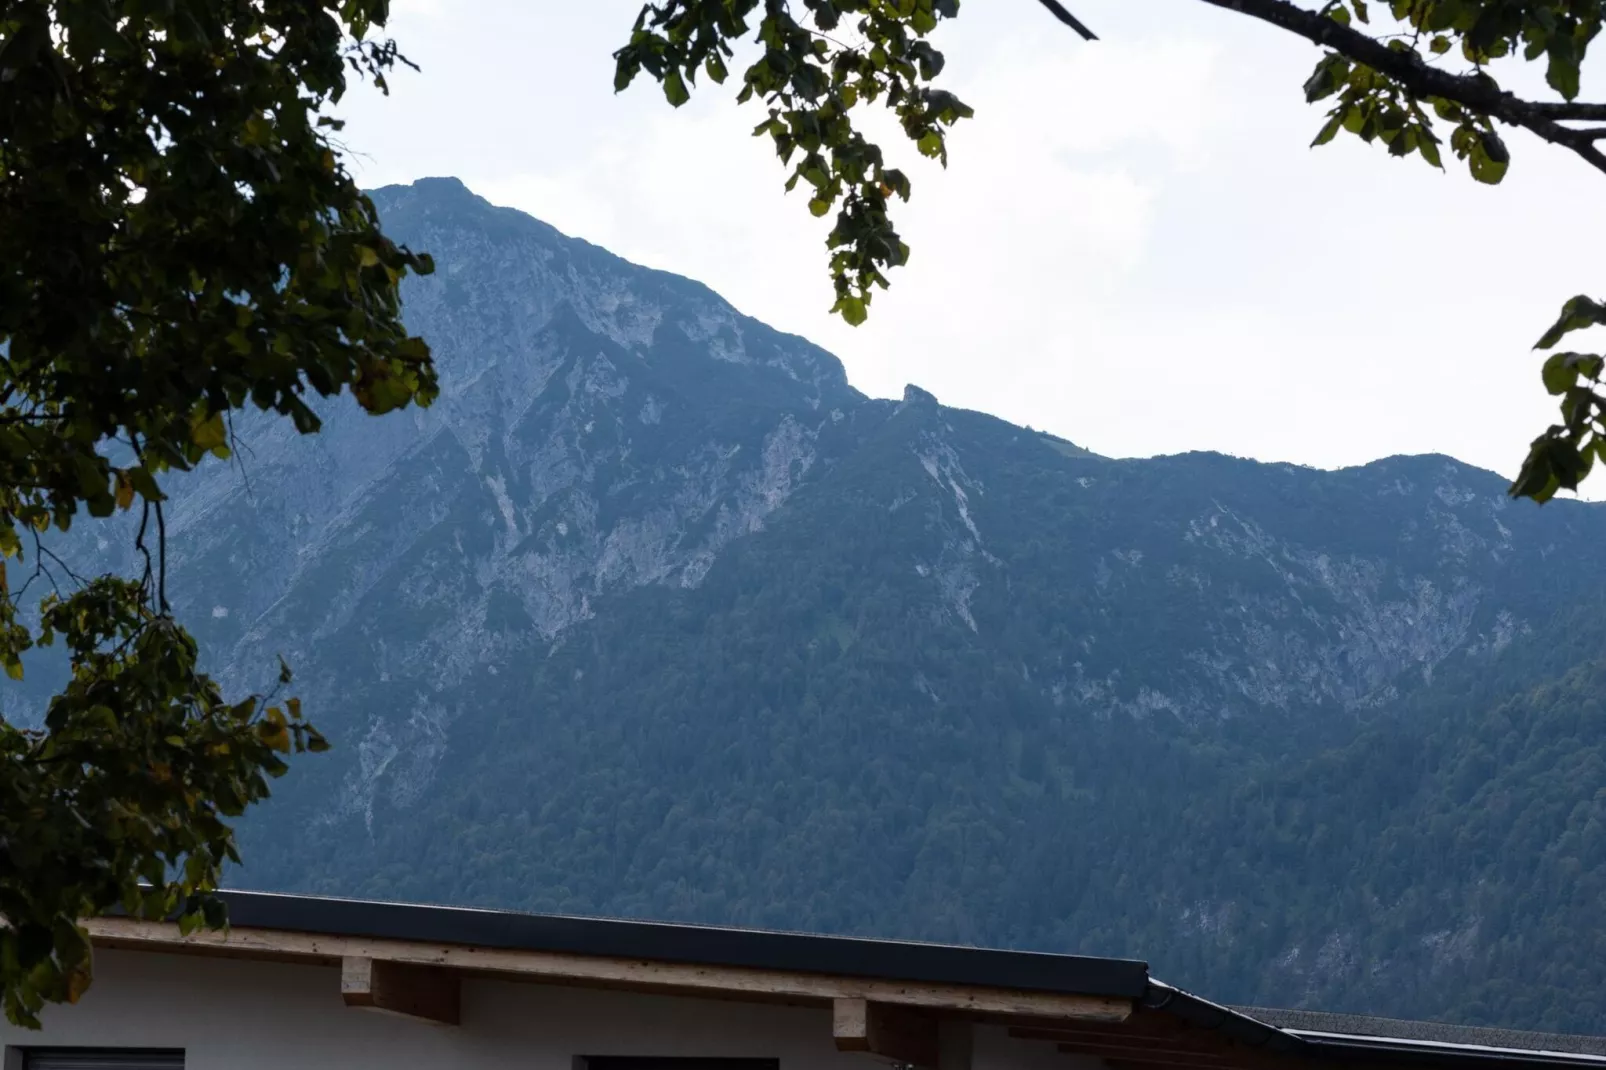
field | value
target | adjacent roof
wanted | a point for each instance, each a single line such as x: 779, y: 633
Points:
x: 1349, y: 1039
x: 1358, y: 1031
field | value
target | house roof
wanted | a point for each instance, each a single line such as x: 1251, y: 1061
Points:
x: 1105, y: 1007
x: 696, y: 944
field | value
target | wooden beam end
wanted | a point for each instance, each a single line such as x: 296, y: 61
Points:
x: 890, y: 1032
x: 433, y: 995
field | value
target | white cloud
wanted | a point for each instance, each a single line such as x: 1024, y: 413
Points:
x: 1133, y: 246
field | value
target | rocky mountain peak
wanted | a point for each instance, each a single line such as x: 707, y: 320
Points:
x: 913, y: 395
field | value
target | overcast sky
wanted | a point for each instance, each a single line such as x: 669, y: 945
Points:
x: 1133, y: 246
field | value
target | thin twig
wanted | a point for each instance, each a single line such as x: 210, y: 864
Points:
x: 139, y: 545
x: 235, y: 453
x: 42, y: 551
x: 161, y: 550
x: 39, y: 565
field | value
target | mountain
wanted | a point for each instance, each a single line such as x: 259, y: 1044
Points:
x: 653, y: 614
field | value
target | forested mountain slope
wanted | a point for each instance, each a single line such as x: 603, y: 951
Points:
x: 653, y: 614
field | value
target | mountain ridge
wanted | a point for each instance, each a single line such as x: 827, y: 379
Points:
x: 654, y: 614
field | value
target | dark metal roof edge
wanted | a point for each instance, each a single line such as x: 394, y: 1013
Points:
x: 692, y: 944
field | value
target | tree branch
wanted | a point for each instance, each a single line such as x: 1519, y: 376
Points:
x: 1059, y: 12
x: 1566, y: 110
x: 1478, y: 92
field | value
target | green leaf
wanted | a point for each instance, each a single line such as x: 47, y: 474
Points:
x: 1441, y: 15
x: 1329, y: 130
x: 1562, y: 370
x: 1489, y: 158
x: 1579, y: 312
x: 852, y: 309
x: 1562, y: 73
x: 675, y: 88
x: 1429, y: 149
x: 207, y: 430
x: 1330, y: 73
x: 143, y: 482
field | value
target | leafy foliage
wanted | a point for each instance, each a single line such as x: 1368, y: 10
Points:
x: 140, y: 762
x: 1390, y: 88
x: 1566, y: 452
x: 1385, y: 92
x: 812, y: 79
x: 178, y: 240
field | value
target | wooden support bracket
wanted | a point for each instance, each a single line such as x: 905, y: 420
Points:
x: 955, y: 1044
x: 401, y: 988
x: 890, y: 1032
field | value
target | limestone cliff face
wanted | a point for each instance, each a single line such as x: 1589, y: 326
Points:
x: 572, y: 453
x: 602, y: 427
x: 651, y: 598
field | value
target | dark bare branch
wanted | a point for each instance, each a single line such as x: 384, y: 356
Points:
x: 1059, y: 12
x: 1567, y: 111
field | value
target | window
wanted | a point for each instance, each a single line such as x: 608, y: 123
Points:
x: 649, y: 1062
x: 101, y: 1059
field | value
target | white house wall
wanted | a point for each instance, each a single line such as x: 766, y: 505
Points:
x: 241, y: 1015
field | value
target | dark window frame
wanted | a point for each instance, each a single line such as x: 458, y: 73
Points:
x: 25, y: 1057
x: 673, y: 1062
